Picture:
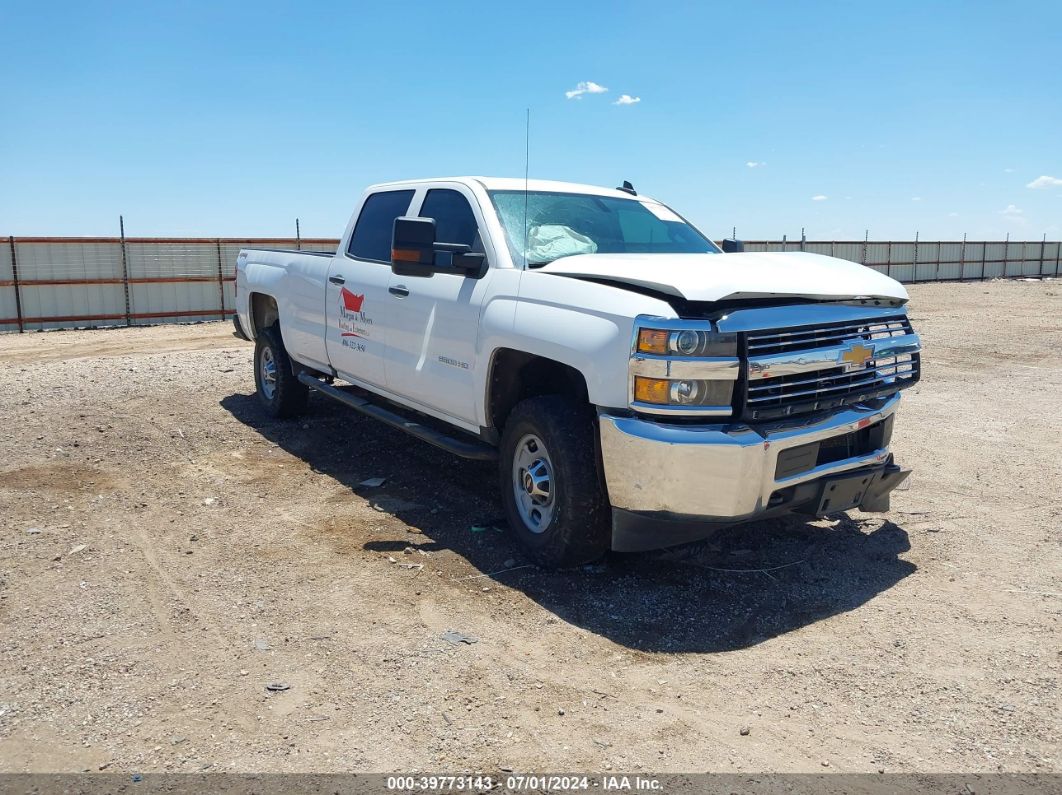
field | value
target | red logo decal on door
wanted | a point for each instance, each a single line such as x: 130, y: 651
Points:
x: 351, y: 302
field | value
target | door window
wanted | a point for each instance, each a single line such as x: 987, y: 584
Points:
x: 454, y: 220
x: 371, y: 238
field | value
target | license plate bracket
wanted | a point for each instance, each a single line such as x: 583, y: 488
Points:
x: 845, y: 492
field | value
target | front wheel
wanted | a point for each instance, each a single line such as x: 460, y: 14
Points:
x: 280, y: 392
x: 551, y: 488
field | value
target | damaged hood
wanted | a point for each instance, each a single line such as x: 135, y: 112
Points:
x: 714, y: 277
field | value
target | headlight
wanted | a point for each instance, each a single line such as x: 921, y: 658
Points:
x: 682, y: 368
x: 684, y: 392
x: 686, y: 342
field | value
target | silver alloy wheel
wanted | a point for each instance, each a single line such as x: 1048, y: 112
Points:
x: 267, y: 366
x: 533, y: 483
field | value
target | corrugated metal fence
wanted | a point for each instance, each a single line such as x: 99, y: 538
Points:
x: 63, y: 282
x: 937, y: 261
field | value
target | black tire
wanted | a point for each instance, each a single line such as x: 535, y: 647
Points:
x: 578, y: 526
x: 285, y: 395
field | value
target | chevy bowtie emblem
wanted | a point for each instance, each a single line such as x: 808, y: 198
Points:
x: 855, y: 356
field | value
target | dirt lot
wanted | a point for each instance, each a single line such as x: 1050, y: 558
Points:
x: 168, y: 552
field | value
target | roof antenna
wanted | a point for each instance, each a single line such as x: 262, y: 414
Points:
x: 527, y: 161
x: 627, y: 187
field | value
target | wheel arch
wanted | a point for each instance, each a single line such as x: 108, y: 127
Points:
x: 516, y: 375
x: 263, y: 311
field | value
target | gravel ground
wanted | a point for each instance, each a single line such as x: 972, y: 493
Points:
x: 169, y: 553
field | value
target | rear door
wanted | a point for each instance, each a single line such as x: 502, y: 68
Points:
x: 436, y: 320
x: 357, y: 298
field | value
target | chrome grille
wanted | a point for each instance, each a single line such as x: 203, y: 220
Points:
x: 803, y: 369
x: 782, y: 341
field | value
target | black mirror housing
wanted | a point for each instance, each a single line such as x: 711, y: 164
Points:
x: 474, y: 264
x: 413, y: 246
x: 732, y: 246
x: 414, y: 251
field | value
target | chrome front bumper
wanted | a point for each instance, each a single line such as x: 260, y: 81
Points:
x: 719, y: 472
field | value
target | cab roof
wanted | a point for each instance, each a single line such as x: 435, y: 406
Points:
x: 517, y: 184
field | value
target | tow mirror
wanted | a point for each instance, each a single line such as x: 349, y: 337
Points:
x: 460, y: 257
x: 414, y: 251
x: 413, y: 246
x: 732, y: 246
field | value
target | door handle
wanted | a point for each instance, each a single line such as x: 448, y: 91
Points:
x: 337, y: 280
x: 401, y: 291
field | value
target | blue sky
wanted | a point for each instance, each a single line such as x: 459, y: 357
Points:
x: 225, y: 119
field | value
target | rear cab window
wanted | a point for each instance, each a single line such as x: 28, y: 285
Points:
x: 371, y: 238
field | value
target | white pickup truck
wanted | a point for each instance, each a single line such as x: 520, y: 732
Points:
x: 638, y: 386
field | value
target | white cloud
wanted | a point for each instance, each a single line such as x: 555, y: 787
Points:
x: 627, y: 99
x: 755, y: 163
x: 953, y: 215
x: 585, y: 87
x: 1014, y: 215
x: 916, y: 198
x: 1008, y: 171
x: 1045, y: 182
x: 819, y: 198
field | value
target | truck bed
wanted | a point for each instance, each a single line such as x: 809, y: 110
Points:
x: 292, y: 251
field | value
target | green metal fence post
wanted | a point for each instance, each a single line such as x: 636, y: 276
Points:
x: 962, y: 257
x: 18, y: 289
x: 221, y: 281
x: 125, y: 274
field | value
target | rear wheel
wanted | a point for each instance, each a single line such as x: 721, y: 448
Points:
x: 551, y: 488
x: 279, y: 390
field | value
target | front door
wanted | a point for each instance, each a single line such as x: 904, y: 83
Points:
x: 436, y: 319
x: 357, y: 297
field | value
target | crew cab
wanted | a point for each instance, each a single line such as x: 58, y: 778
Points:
x: 637, y: 386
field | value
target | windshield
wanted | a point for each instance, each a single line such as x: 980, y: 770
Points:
x: 564, y: 224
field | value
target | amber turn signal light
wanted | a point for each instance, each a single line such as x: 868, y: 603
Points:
x: 651, y: 390
x: 652, y: 340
